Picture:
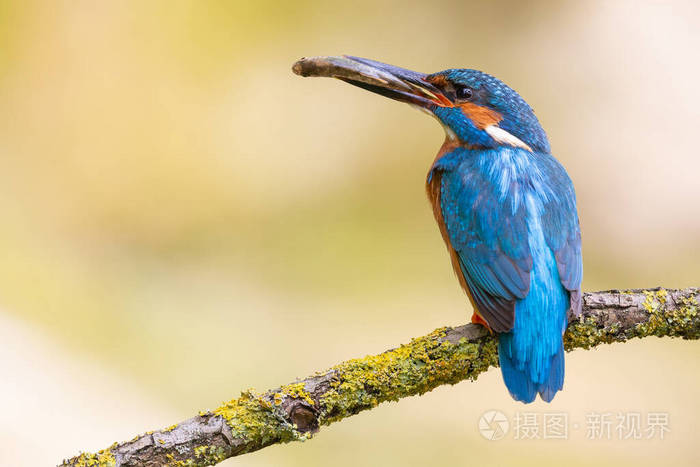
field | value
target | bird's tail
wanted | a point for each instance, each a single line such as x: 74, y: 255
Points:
x: 532, y: 353
x: 518, y: 374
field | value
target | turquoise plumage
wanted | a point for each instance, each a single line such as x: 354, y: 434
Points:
x: 495, y: 204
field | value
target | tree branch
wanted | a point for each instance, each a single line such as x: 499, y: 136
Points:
x: 445, y: 356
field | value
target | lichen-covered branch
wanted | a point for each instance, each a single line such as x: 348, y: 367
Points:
x: 445, y: 356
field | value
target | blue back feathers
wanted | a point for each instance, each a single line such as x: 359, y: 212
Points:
x: 510, y: 215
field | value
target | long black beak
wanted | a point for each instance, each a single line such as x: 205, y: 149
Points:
x: 388, y: 80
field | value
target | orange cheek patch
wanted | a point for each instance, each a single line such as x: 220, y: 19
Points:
x: 481, y: 116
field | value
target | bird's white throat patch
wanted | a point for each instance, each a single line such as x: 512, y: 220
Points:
x: 502, y: 136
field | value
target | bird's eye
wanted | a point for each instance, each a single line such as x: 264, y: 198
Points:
x: 463, y: 92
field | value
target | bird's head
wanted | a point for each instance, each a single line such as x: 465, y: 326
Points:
x: 476, y: 109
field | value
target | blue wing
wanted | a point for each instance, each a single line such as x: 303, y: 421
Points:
x: 489, y: 237
x: 484, y: 214
x: 562, y: 231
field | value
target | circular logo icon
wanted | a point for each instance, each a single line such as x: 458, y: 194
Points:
x: 493, y: 425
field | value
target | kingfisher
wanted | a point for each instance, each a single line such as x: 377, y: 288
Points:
x: 505, y: 206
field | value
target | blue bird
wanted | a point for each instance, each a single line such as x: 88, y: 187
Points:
x: 505, y: 206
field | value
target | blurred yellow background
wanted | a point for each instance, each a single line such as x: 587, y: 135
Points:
x: 183, y: 218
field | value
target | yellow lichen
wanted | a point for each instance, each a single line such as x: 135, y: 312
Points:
x: 680, y: 321
x: 415, y: 368
x: 103, y: 458
x: 296, y: 390
x: 253, y: 418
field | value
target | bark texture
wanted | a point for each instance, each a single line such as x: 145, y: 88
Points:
x: 445, y: 356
